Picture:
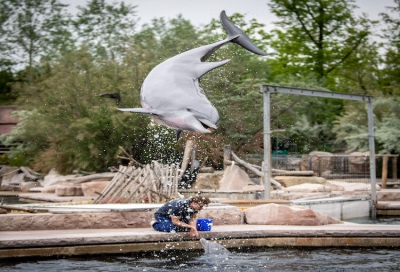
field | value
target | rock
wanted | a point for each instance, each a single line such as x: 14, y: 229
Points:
x: 255, y: 188
x: 6, y: 175
x: 207, y: 170
x: 325, y: 161
x: 101, y: 220
x: 53, y: 177
x: 17, y: 179
x: 234, y: 178
x: 308, y: 188
x: 27, y: 185
x: 36, y: 189
x: 51, y: 189
x: 47, y: 221
x: 223, y: 217
x: 208, y: 180
x: 294, y: 196
x: 288, y: 181
x: 274, y: 214
x: 388, y: 195
x: 90, y: 188
x: 65, y: 190
x: 358, y: 162
x: 350, y: 186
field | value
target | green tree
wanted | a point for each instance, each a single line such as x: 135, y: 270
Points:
x: 316, y: 36
x: 6, y: 80
x: 105, y: 28
x: 67, y: 125
x: 33, y: 29
x: 390, y: 76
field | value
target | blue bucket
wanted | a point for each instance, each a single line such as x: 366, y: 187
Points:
x: 204, y: 224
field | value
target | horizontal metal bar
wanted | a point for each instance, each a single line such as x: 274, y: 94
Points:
x: 316, y: 93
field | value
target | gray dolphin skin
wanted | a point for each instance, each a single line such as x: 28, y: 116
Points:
x: 213, y: 248
x: 171, y: 93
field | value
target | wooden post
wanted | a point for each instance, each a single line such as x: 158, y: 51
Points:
x: 193, y: 156
x: 394, y: 166
x: 186, y: 156
x: 384, y: 170
x: 227, y: 155
x: 319, y: 167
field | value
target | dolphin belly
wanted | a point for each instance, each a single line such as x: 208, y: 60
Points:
x: 183, y: 120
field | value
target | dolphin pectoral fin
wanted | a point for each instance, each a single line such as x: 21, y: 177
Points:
x: 139, y: 110
x: 216, y: 47
x: 243, y: 40
x: 204, y: 67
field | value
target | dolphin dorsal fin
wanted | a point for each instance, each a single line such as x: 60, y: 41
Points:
x: 205, y: 67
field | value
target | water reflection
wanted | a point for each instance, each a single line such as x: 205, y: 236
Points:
x: 260, y: 259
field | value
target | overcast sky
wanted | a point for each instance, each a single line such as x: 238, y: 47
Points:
x: 202, y: 11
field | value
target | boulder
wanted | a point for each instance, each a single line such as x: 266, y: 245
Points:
x: 388, y: 195
x: 294, y: 196
x: 6, y: 175
x: 207, y: 180
x: 274, y: 214
x: 27, y: 185
x: 324, y: 161
x: 65, y: 190
x: 223, y: 217
x: 255, y: 188
x: 234, y: 179
x: 288, y: 181
x: 308, y: 188
x: 350, y: 186
x: 51, y: 189
x: 358, y: 162
x: 53, y: 177
x: 90, y: 188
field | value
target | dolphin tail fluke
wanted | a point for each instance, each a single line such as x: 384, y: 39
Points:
x: 243, y: 40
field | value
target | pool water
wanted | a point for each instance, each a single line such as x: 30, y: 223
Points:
x: 247, y: 259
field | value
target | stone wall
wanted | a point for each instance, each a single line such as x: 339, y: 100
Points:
x: 110, y: 220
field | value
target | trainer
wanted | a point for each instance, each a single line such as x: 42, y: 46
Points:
x: 180, y: 215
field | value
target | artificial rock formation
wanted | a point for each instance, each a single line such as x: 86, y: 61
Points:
x: 288, y: 181
x: 274, y: 214
x: 234, y: 179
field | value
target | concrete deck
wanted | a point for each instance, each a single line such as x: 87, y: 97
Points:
x: 75, y: 242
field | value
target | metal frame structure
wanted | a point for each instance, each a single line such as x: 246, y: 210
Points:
x: 268, y: 89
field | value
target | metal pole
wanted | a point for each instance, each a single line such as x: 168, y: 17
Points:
x: 372, y: 166
x: 267, y: 144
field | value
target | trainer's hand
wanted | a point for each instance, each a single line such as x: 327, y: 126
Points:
x: 193, y: 233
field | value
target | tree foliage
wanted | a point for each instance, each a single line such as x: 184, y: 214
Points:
x: 65, y: 124
x: 31, y: 29
x: 316, y: 36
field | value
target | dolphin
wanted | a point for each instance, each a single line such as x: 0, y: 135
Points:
x: 171, y: 93
x: 213, y: 248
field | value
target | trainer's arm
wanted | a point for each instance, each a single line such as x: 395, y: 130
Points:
x: 193, y: 231
x: 192, y: 224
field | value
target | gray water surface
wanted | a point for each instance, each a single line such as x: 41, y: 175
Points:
x: 262, y: 259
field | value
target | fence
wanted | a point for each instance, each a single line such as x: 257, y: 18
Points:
x: 349, y: 168
x: 155, y: 183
